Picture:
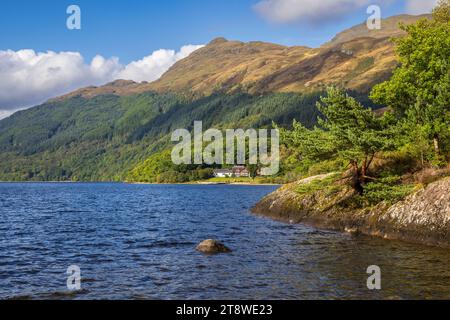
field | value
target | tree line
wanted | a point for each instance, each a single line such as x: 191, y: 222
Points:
x: 415, y: 122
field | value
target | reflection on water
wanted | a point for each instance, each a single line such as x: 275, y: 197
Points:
x: 138, y: 242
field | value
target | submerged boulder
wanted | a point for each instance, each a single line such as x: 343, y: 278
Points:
x: 211, y: 246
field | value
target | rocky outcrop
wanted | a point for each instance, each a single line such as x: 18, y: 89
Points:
x: 212, y: 247
x: 423, y: 217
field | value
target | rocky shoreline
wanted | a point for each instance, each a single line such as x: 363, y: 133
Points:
x: 423, y: 217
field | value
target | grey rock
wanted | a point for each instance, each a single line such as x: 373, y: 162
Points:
x: 211, y: 246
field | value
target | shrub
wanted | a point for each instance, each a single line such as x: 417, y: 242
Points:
x: 327, y: 184
x: 389, y: 190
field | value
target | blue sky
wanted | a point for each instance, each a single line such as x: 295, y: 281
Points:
x: 139, y: 40
x: 134, y: 28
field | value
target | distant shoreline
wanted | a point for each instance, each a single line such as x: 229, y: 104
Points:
x: 208, y: 183
x: 149, y: 183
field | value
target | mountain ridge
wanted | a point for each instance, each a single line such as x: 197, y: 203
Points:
x: 104, y: 133
x: 356, y: 58
x: 389, y: 28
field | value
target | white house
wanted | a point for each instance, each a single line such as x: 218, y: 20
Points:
x: 223, y: 173
x: 237, y: 171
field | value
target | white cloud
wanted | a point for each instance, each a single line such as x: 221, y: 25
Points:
x: 286, y: 11
x: 5, y: 114
x: 153, y: 66
x: 28, y: 78
x: 420, y: 6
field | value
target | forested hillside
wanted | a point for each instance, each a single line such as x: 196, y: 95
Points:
x: 384, y: 174
x: 103, y: 138
x: 386, y: 156
x: 108, y: 133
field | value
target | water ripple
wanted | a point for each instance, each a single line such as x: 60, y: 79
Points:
x: 138, y: 242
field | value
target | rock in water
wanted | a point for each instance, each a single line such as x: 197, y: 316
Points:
x: 353, y: 231
x: 212, y: 247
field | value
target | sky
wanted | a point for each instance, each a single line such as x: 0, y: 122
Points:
x: 139, y: 40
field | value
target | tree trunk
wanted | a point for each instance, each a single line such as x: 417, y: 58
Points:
x: 357, y: 178
x: 362, y: 178
x: 436, y: 147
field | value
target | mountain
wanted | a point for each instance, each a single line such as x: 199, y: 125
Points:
x: 389, y: 29
x: 104, y: 137
x: 356, y: 59
x: 114, y: 132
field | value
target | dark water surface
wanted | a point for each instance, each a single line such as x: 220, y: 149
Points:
x: 138, y: 242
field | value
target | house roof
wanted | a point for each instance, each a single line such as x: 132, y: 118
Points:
x: 234, y: 169
x: 222, y: 171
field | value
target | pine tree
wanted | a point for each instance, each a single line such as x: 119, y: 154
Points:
x: 419, y: 89
x: 356, y: 132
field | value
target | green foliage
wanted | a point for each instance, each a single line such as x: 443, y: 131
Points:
x: 355, y: 131
x: 327, y: 184
x: 113, y: 138
x: 106, y: 137
x: 441, y: 12
x: 419, y: 90
x: 151, y: 168
x: 364, y: 64
x: 78, y: 139
x: 326, y: 166
x: 315, y: 144
x: 347, y: 132
x: 389, y: 190
x: 159, y: 168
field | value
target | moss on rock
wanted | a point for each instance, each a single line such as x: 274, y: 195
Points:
x: 422, y: 217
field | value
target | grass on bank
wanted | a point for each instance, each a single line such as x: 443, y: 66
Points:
x: 394, y: 177
x: 243, y: 180
x: 328, y: 184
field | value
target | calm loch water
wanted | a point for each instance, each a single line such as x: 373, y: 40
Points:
x: 138, y: 242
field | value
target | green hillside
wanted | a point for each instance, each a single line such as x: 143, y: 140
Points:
x: 120, y: 131
x: 105, y: 137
